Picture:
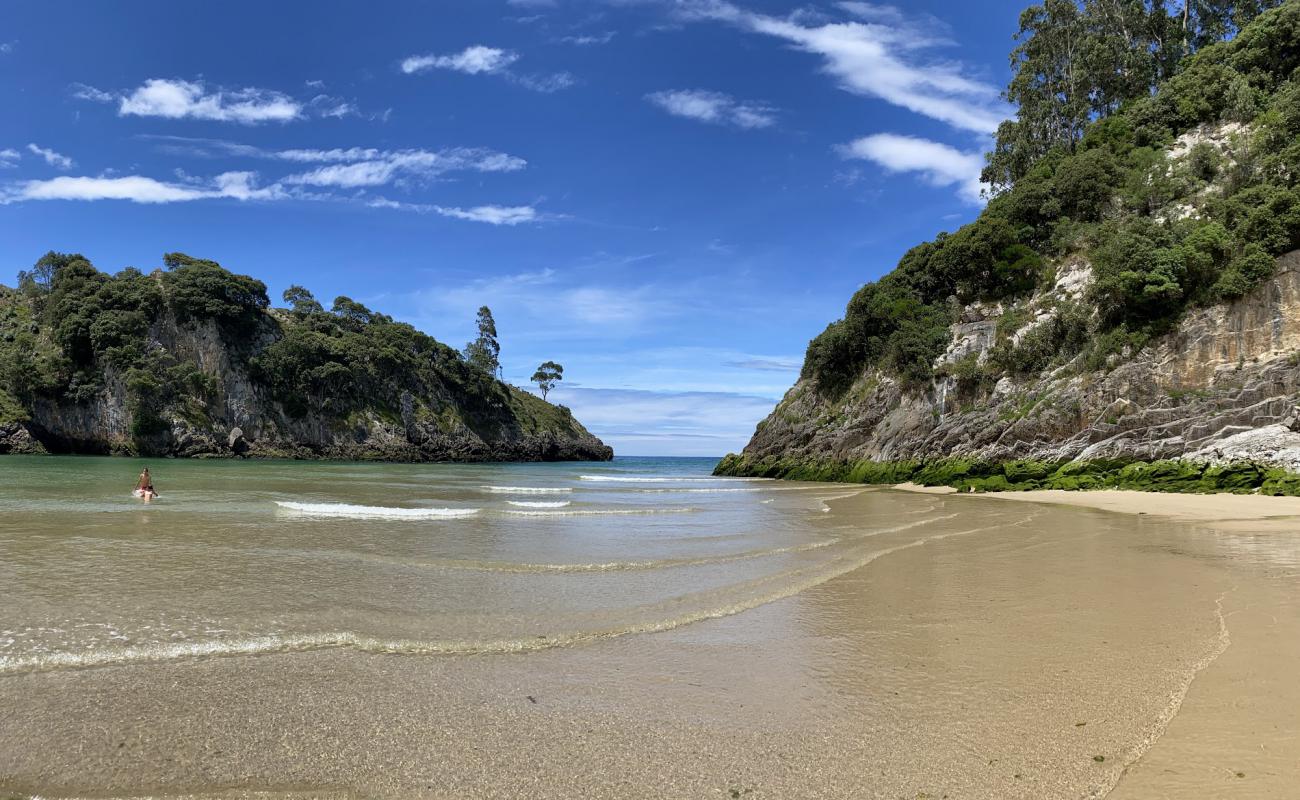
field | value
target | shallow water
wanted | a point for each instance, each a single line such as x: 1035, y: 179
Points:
x: 255, y: 557
x: 630, y: 629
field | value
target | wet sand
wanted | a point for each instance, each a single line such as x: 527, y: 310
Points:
x: 1011, y: 651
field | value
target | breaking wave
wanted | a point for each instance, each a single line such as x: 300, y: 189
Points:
x: 538, y: 503
x: 661, y: 479
x: 373, y: 512
x: 526, y: 489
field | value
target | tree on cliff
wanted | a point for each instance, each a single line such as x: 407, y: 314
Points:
x: 485, y: 351
x: 547, y: 375
x: 301, y: 301
x: 1081, y: 60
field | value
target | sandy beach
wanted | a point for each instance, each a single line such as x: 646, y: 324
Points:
x: 936, y: 645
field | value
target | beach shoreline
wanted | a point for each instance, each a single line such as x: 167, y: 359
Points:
x: 1251, y: 511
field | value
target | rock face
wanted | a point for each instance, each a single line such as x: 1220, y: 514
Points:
x: 240, y: 419
x: 1223, y: 386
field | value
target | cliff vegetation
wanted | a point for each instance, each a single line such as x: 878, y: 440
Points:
x: 1139, y: 202
x: 192, y: 360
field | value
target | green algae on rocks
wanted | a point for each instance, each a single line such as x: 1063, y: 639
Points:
x: 964, y: 474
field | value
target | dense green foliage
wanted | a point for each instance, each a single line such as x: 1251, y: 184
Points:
x: 970, y: 475
x: 1084, y: 170
x: 70, y: 333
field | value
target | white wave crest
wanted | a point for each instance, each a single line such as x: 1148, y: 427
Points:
x: 526, y: 489
x: 374, y: 512
x: 538, y: 503
x: 600, y: 512
x: 661, y: 479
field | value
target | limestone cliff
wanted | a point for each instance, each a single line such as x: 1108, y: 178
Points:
x: 302, y: 384
x: 1221, y: 386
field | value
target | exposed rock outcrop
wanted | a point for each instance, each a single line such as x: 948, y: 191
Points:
x: 1222, y: 386
x: 240, y: 419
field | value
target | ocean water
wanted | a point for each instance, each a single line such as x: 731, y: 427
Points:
x: 260, y: 557
x: 635, y: 628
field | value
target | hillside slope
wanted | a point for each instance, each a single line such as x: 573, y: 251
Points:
x: 1125, y: 312
x: 192, y: 362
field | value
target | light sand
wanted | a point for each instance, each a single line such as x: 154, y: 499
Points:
x: 1280, y: 513
x: 995, y: 652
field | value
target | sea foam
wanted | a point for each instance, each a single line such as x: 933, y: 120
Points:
x: 374, y: 512
x: 538, y: 503
x: 526, y: 489
x: 660, y: 479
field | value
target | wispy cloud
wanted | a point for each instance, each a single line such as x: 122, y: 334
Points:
x: 140, y: 189
x: 9, y: 158
x: 590, y: 39
x: 474, y: 60
x: 767, y: 364
x: 492, y: 215
x: 56, y: 160
x: 482, y: 60
x: 882, y: 54
x: 357, y: 167
x: 642, y: 422
x: 353, y: 167
x: 6, y: 48
x: 713, y: 107
x: 174, y: 98
x: 937, y: 164
x: 178, y: 99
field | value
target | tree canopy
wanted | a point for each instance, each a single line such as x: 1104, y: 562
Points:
x: 1085, y: 172
x: 546, y: 376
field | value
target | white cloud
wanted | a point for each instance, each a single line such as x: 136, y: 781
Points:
x: 493, y: 215
x: 356, y: 167
x: 713, y: 107
x: 180, y: 99
x: 471, y: 61
x: 352, y: 167
x: 6, y: 48
x: 177, y: 99
x: 83, y: 92
x: 589, y: 39
x: 641, y: 422
x: 481, y: 60
x: 880, y: 55
x: 138, y: 189
x: 9, y: 158
x: 336, y: 107
x: 544, y: 83
x: 56, y: 160
x: 938, y: 164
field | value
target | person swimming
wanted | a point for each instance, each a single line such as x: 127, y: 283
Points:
x: 144, y: 486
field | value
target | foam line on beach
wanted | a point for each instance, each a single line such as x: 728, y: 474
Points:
x: 539, y: 503
x: 782, y: 585
x: 661, y: 479
x: 373, y: 512
x: 597, y: 512
x: 1161, y: 724
x: 526, y: 489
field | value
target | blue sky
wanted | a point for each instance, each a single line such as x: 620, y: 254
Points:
x: 669, y: 198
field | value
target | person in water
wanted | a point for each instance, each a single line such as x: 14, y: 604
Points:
x: 144, y: 486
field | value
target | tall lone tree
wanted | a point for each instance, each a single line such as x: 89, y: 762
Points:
x: 300, y: 300
x: 485, y: 351
x: 547, y: 375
